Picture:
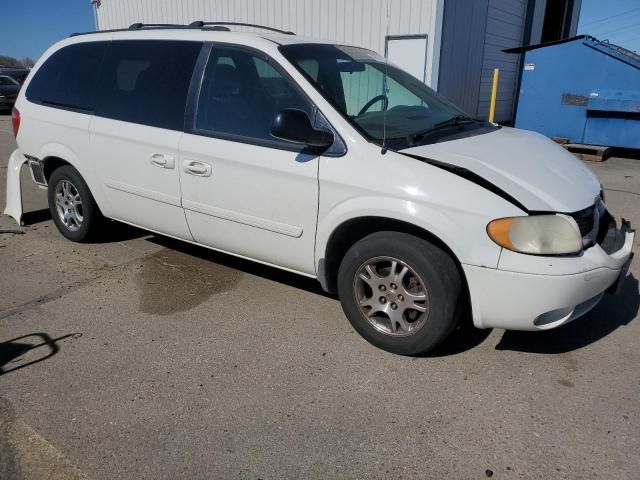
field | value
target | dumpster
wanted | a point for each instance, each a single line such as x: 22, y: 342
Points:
x: 581, y: 89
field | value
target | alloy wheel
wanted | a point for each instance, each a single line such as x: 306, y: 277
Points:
x: 69, y: 205
x: 391, y: 296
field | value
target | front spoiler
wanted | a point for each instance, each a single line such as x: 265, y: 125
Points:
x: 13, y: 206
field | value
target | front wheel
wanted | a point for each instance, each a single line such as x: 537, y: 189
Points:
x: 72, y: 207
x: 400, y: 292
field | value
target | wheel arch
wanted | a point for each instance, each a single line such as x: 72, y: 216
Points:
x: 55, y: 155
x: 354, y: 229
x: 52, y: 163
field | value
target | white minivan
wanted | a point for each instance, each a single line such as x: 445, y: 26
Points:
x: 324, y: 160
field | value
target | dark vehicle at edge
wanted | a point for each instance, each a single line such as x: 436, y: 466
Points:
x: 9, y: 89
x: 19, y: 74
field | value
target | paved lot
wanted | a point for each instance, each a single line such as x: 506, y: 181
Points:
x: 141, y: 357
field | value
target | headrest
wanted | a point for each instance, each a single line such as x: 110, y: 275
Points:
x: 225, y: 80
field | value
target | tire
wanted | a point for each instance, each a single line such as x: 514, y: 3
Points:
x: 426, y: 296
x: 72, y: 207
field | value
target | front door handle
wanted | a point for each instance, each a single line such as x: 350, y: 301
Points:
x: 199, y: 169
x: 163, y: 161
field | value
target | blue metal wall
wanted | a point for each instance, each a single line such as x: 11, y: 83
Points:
x: 584, y: 90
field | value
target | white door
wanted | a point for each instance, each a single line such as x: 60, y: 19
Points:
x: 409, y: 52
x: 137, y: 166
x: 244, y: 191
x: 136, y: 131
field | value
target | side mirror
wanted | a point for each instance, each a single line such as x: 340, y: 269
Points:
x: 295, y: 126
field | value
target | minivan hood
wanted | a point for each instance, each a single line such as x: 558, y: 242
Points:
x: 531, y: 168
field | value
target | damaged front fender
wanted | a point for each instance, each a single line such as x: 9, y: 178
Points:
x: 13, y: 206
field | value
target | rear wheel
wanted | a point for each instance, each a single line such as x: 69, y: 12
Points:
x: 72, y: 207
x: 400, y: 292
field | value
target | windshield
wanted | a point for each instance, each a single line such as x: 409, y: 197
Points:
x: 402, y: 110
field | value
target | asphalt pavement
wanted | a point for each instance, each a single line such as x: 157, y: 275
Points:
x: 146, y: 358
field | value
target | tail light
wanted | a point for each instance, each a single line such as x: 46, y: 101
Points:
x: 15, y: 121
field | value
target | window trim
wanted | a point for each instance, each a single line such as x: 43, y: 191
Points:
x: 68, y: 108
x: 195, y: 90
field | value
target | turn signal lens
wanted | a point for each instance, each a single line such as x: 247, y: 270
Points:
x: 537, y: 234
x: 499, y: 229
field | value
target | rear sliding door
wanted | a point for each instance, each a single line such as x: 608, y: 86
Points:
x: 136, y: 130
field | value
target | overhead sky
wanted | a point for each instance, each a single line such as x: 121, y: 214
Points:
x: 615, y: 20
x: 29, y: 27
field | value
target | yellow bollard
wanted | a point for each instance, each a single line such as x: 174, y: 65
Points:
x: 494, y: 94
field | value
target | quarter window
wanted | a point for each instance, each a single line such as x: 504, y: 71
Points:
x: 146, y: 81
x: 241, y: 95
x: 68, y: 77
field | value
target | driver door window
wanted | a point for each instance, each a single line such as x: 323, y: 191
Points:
x: 241, y: 95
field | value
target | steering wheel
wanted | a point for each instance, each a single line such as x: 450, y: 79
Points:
x: 373, y: 101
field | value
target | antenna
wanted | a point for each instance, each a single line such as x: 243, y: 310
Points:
x: 384, y: 88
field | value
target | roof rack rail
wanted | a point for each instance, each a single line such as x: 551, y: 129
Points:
x: 140, y: 26
x: 192, y: 26
x: 201, y: 24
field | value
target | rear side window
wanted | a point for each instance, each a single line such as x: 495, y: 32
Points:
x: 68, y: 77
x: 146, y: 81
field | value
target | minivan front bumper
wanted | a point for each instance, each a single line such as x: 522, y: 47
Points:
x: 556, y: 294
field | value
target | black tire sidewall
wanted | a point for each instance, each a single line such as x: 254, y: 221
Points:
x: 438, y: 272
x: 90, y: 210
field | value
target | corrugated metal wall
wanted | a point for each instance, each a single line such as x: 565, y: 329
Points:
x: 505, y: 26
x: 463, y: 38
x: 356, y: 22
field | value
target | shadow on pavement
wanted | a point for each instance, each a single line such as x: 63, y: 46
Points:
x: 14, y: 352
x: 113, y: 231
x: 633, y: 153
x: 465, y: 337
x: 36, y: 216
x: 611, y: 313
x: 253, y: 268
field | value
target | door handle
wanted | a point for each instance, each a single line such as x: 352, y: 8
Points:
x: 199, y: 169
x: 163, y: 161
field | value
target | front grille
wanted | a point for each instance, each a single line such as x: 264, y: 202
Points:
x: 585, y: 220
x: 606, y: 221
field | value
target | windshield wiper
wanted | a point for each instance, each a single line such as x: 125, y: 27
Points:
x: 451, y: 122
